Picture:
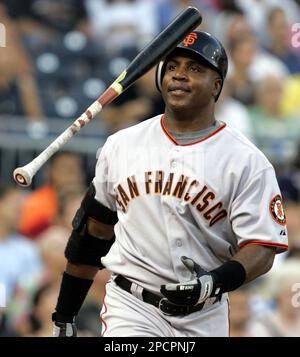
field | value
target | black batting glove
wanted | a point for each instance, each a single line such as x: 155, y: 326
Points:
x: 63, y: 326
x: 200, y: 287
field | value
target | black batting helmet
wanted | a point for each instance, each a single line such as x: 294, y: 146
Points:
x: 205, y: 46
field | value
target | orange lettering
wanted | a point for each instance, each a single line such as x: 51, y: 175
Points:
x: 148, y: 181
x: 209, y: 195
x: 168, y: 185
x: 187, y: 197
x: 199, y: 194
x: 180, y: 187
x: 208, y: 212
x: 120, y: 204
x: 159, y: 181
x: 132, y: 186
x: 123, y: 195
x: 220, y: 215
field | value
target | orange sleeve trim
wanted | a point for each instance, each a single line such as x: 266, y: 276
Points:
x: 268, y: 244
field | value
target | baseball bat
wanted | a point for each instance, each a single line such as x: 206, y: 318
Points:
x: 159, y: 47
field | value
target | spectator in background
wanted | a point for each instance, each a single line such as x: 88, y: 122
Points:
x: 257, y: 14
x: 289, y: 181
x: 284, y: 320
x: 19, y: 258
x: 275, y: 135
x: 40, y: 207
x: 53, y: 240
x: 278, y: 44
x: 234, y: 113
x: 68, y: 198
x: 230, y: 24
x: 142, y: 102
x: 122, y: 23
x: 292, y: 210
x: 43, y: 301
x: 229, y: 6
x: 56, y: 36
x: 249, y: 64
x: 42, y: 20
x: 242, y: 51
x: 168, y: 9
x: 5, y: 331
x: 240, y: 313
x: 293, y: 214
x: 290, y: 98
x: 18, y: 89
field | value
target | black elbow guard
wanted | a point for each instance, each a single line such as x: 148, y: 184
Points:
x: 90, y: 207
x: 83, y: 248
x: 86, y: 249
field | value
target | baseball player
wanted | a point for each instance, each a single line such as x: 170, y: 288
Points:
x: 182, y: 210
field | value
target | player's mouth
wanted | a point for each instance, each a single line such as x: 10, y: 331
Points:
x: 178, y: 90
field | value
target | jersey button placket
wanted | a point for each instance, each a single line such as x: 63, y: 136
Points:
x: 178, y: 243
x: 174, y: 158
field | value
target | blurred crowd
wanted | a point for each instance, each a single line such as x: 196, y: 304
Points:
x: 59, y: 57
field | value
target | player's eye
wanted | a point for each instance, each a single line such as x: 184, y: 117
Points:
x: 171, y: 67
x: 195, y: 68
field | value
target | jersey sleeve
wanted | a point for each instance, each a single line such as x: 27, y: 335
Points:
x: 102, y: 180
x: 257, y: 213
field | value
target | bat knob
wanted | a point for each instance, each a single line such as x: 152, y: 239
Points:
x: 22, y: 177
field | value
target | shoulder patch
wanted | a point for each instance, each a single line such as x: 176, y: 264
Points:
x: 277, y: 211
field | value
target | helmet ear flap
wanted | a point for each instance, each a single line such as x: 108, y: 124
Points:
x: 158, y: 75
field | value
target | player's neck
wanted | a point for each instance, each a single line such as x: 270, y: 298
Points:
x: 187, y: 122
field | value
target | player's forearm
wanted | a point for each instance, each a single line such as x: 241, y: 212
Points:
x: 75, y: 285
x: 256, y: 259
x: 90, y: 240
x: 82, y: 271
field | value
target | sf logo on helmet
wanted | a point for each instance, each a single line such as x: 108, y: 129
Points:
x: 190, y: 39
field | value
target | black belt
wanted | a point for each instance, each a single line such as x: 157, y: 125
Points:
x: 162, y: 304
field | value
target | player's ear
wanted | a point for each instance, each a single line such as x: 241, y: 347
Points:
x: 217, y: 85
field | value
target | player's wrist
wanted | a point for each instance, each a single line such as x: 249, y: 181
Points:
x: 73, y: 291
x: 228, y: 277
x: 61, y: 318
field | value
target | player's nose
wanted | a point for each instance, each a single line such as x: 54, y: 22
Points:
x: 180, y: 73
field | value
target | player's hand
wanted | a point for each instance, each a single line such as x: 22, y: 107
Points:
x: 195, y: 291
x: 62, y: 328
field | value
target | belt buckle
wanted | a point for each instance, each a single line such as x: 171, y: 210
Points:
x: 160, y: 305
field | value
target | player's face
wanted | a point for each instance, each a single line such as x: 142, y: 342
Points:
x: 189, y: 83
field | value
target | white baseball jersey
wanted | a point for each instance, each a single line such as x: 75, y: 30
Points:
x: 204, y: 200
